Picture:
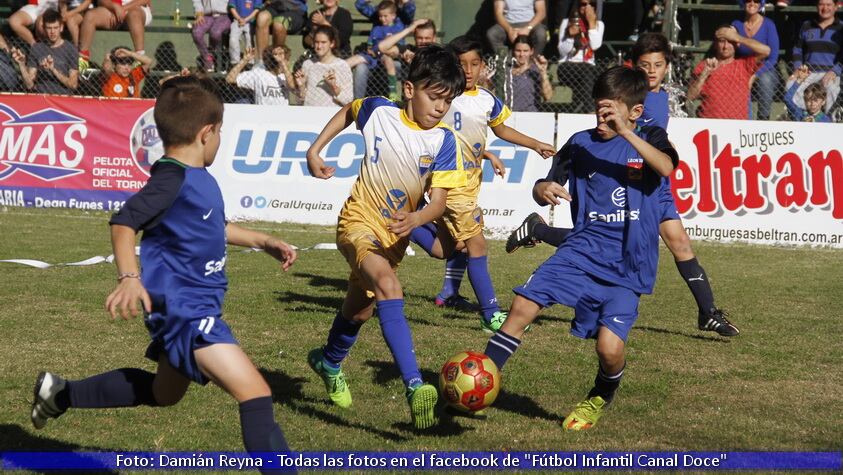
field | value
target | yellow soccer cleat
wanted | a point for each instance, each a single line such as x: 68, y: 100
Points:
x: 585, y: 414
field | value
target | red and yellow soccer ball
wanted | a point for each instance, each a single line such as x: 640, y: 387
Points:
x: 469, y: 381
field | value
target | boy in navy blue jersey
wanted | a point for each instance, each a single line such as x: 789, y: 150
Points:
x: 611, y: 256
x: 183, y: 253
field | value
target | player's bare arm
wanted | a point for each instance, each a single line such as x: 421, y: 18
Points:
x: 511, y: 135
x: 342, y: 119
x: 123, y: 300
x: 406, y: 222
x: 280, y: 250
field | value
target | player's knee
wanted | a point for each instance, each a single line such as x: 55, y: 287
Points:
x: 611, y: 356
x: 388, y: 286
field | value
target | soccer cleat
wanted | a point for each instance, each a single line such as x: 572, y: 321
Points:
x: 44, y: 406
x: 456, y: 301
x: 585, y: 414
x: 335, y: 383
x: 522, y: 236
x: 422, y: 400
x: 715, y: 320
x: 83, y: 65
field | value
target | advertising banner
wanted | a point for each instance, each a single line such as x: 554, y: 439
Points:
x: 74, y: 152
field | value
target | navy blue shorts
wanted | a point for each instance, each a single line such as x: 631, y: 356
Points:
x: 596, y: 303
x: 666, y: 202
x: 178, y: 338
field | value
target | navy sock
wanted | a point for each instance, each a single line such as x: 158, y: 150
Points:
x: 500, y: 347
x: 260, y: 431
x: 697, y: 281
x: 125, y: 387
x: 341, y: 338
x: 605, y: 384
x: 397, y: 334
x: 549, y: 234
x: 454, y: 269
x: 424, y: 236
x: 478, y: 274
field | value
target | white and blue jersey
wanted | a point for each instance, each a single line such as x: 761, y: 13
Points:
x: 657, y: 114
x: 183, y: 251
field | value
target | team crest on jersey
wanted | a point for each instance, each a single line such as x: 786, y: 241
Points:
x: 424, y: 163
x: 635, y: 168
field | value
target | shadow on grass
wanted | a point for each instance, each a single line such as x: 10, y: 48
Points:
x: 717, y: 339
x: 322, y: 281
x: 386, y: 371
x: 15, y: 438
x: 299, y: 302
x: 287, y: 390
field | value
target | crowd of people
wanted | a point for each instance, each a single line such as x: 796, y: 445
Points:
x: 739, y: 77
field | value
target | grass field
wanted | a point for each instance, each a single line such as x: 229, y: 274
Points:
x: 778, y: 386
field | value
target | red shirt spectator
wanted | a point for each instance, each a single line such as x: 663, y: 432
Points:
x: 122, y: 80
x: 725, y: 93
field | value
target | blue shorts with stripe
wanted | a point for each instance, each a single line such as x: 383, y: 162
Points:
x: 666, y: 202
x: 596, y: 303
x: 178, y: 338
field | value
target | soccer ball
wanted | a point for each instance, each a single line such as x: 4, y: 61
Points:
x: 469, y: 381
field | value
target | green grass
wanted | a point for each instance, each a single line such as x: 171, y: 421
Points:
x: 775, y: 387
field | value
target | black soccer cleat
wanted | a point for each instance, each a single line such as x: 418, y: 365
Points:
x: 523, y: 235
x: 715, y: 321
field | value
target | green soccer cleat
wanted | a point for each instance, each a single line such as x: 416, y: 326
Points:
x: 585, y: 414
x: 335, y: 382
x: 422, y: 401
x: 496, y: 323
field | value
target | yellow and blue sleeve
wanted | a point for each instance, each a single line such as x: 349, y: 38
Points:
x: 362, y: 109
x: 500, y: 112
x: 447, y: 167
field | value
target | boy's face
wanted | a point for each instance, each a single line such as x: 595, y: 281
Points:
x: 386, y: 17
x: 123, y: 69
x: 429, y: 104
x: 472, y: 66
x: 655, y: 65
x: 605, y: 128
x: 210, y: 136
x: 814, y: 103
x: 53, y: 31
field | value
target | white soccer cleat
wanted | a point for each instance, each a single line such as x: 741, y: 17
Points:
x: 44, y: 407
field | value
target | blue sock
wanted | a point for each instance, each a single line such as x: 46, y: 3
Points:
x: 341, y: 338
x: 478, y: 274
x: 500, y: 347
x: 397, y: 334
x: 454, y: 270
x: 424, y: 236
x: 125, y: 387
x: 260, y: 431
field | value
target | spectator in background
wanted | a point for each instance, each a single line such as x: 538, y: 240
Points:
x: 580, y: 36
x: 721, y: 80
x: 814, y: 98
x: 51, y: 67
x: 760, y: 28
x: 406, y: 11
x: 515, y: 18
x: 424, y: 33
x: 122, y: 80
x: 527, y: 85
x: 819, y: 46
x: 9, y: 79
x: 242, y: 13
x: 268, y: 80
x: 644, y: 14
x: 331, y: 14
x: 72, y: 13
x: 363, y: 62
x: 29, y: 16
x: 134, y: 15
x: 282, y: 18
x: 327, y: 80
x: 211, y: 18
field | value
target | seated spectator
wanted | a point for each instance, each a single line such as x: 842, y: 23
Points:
x: 819, y: 46
x: 363, y: 62
x: 424, y: 33
x: 527, y: 85
x: 133, y: 15
x: 580, y: 36
x: 122, y: 80
x: 9, y: 80
x: 72, y: 13
x: 268, y: 80
x: 51, y: 67
x: 518, y: 17
x: 721, y: 80
x: 814, y: 98
x: 281, y: 18
x: 332, y: 14
x: 29, y: 16
x: 242, y: 13
x: 326, y: 81
x: 758, y: 27
x: 406, y: 11
x: 211, y: 18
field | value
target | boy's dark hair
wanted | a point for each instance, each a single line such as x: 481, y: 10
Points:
x: 51, y: 16
x: 438, y: 68
x: 185, y: 105
x: 120, y: 59
x: 623, y: 84
x: 523, y: 39
x: 651, y: 43
x: 387, y: 5
x: 814, y: 90
x: 464, y: 44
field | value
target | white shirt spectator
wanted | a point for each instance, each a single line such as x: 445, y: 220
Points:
x: 568, y: 52
x: 270, y: 89
x: 318, y: 93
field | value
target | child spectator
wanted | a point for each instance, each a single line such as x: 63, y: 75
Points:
x: 387, y: 14
x: 327, y: 81
x: 122, y: 79
x: 331, y: 14
x: 268, y: 80
x: 819, y: 46
x: 814, y: 96
x: 242, y: 12
x: 406, y: 10
x: 212, y: 18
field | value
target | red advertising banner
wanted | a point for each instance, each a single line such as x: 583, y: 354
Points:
x: 70, y: 152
